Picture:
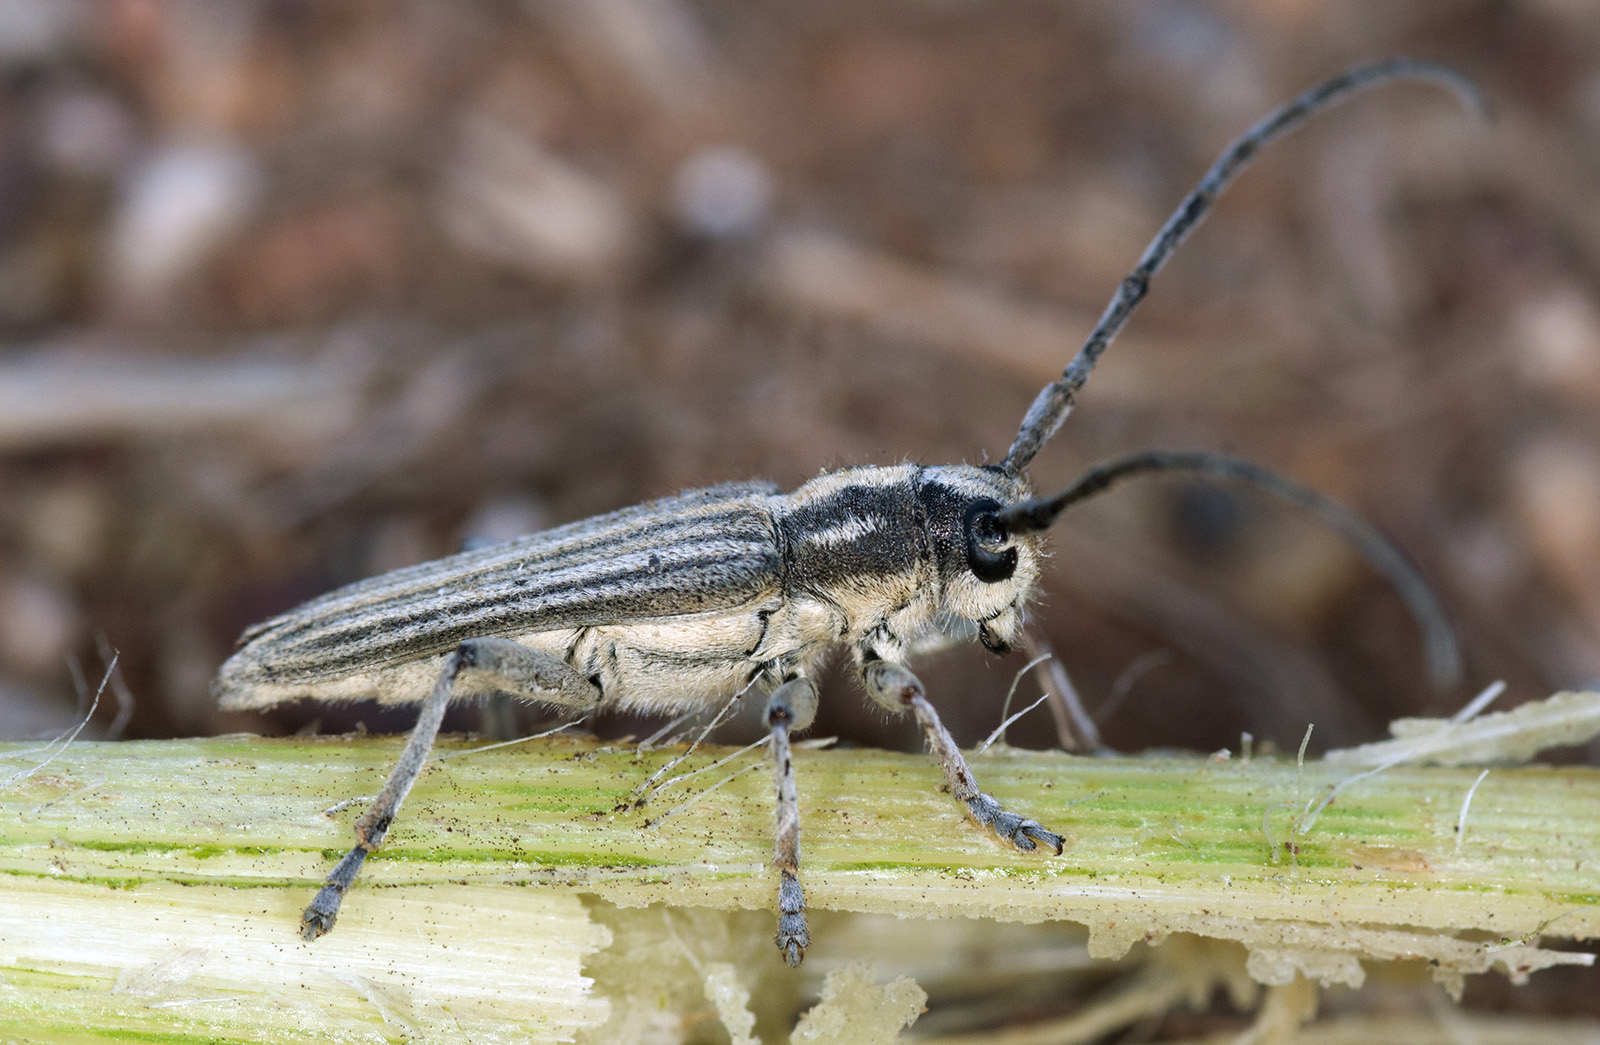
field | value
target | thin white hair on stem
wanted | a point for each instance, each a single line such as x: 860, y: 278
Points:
x: 1300, y: 761
x: 1006, y: 718
x: 1002, y: 727
x: 1295, y: 826
x: 1016, y: 680
x: 1466, y: 804
x: 1305, y: 741
x: 698, y: 795
x: 724, y: 760
x: 63, y: 740
x: 508, y: 743
x: 641, y: 793
x: 650, y: 741
x: 716, y: 720
x: 119, y: 688
x: 1314, y: 808
x: 1478, y: 703
x: 345, y: 803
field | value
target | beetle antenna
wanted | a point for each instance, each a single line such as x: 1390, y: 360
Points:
x: 1443, y: 651
x: 1054, y: 402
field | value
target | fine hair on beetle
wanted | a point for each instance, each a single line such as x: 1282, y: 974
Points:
x: 692, y: 601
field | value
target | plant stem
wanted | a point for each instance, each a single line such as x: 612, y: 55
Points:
x: 152, y: 889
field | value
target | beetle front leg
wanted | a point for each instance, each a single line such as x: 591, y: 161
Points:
x: 792, y: 706
x: 896, y: 688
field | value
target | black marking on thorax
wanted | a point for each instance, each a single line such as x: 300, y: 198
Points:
x: 944, y: 512
x: 855, y: 535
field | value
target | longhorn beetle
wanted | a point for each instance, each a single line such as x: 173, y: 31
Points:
x: 684, y: 601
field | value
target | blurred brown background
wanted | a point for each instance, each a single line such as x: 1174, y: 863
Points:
x: 295, y: 292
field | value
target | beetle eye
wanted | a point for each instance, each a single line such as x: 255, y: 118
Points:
x: 987, y: 555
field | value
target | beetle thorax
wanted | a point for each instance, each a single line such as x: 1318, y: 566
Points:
x: 887, y: 548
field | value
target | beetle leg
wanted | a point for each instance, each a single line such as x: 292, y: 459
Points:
x: 511, y: 666
x: 791, y: 706
x: 895, y: 687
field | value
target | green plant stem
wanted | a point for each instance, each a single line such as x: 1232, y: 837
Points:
x: 167, y: 877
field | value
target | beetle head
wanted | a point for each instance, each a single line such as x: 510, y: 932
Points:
x: 986, y: 573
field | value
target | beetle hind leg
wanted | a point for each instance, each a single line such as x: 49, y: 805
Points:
x: 506, y: 664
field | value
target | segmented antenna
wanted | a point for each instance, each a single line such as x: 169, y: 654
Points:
x: 1055, y: 400
x: 1443, y: 652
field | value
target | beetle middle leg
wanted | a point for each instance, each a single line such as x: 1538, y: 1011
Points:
x: 791, y: 706
x: 511, y: 666
x: 896, y: 688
